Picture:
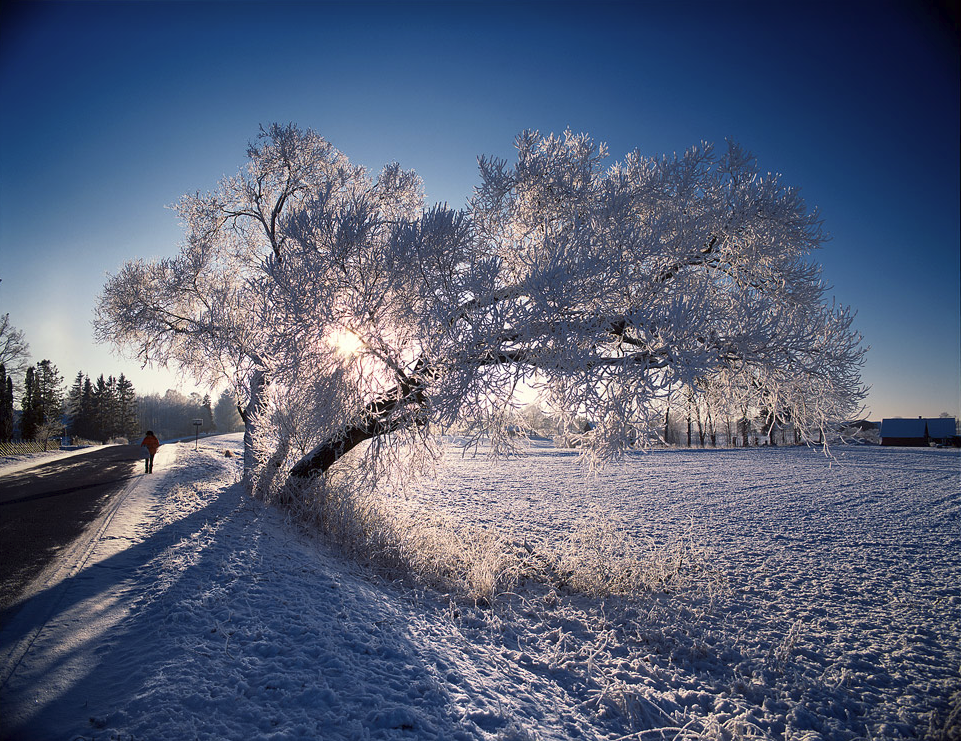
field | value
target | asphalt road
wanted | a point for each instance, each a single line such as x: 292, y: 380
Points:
x: 44, y: 508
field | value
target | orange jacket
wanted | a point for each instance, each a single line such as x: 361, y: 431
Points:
x: 151, y: 443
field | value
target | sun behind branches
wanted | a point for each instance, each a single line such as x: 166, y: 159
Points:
x: 346, y: 343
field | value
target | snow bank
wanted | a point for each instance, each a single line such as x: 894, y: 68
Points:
x: 833, y: 611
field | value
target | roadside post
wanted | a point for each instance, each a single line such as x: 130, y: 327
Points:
x: 197, y: 423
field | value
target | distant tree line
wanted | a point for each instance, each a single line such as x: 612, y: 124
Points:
x: 171, y: 415
x: 716, y: 413
x: 102, y: 410
x: 227, y: 415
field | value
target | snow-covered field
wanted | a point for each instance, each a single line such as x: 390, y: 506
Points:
x: 824, y: 602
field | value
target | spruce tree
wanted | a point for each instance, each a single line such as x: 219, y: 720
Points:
x: 208, y: 414
x: 86, y: 426
x: 75, y: 406
x: 226, y: 414
x: 113, y: 408
x: 102, y: 410
x: 48, y: 399
x: 127, y: 408
x: 6, y: 404
x: 29, y: 417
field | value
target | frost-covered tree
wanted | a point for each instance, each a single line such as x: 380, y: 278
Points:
x: 343, y: 310
x: 208, y: 310
x: 14, y: 350
x: 171, y: 415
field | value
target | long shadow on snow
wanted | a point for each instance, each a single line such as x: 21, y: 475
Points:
x: 95, y: 584
x: 373, y: 681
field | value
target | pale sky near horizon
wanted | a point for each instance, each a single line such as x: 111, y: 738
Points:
x: 110, y: 111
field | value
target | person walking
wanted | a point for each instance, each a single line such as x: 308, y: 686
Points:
x: 151, y: 443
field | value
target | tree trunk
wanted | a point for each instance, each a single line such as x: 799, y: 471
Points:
x: 257, y: 383
x: 323, y: 456
x: 380, y: 417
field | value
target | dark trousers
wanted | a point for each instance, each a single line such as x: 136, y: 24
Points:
x: 148, y: 463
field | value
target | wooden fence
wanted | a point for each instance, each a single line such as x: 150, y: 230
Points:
x: 23, y: 447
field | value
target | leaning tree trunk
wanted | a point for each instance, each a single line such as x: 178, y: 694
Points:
x: 400, y: 408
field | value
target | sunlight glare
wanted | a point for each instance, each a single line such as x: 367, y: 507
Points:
x: 346, y: 343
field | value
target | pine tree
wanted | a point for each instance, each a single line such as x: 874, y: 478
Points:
x: 103, y: 409
x: 207, y: 414
x: 48, y: 399
x: 75, y: 406
x: 126, y: 408
x: 29, y: 418
x: 113, y: 408
x: 86, y: 427
x: 226, y: 414
x: 6, y: 404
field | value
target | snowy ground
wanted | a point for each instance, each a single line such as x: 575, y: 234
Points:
x: 830, y: 608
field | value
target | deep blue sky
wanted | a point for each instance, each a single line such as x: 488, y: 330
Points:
x: 109, y: 112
